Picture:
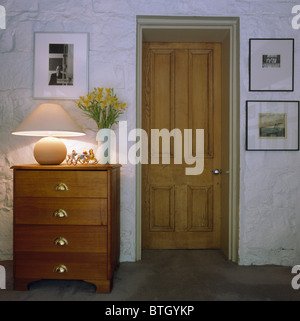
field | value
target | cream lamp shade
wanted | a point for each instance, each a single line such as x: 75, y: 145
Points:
x: 49, y: 121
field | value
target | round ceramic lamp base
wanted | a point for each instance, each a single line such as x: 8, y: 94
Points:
x: 50, y: 151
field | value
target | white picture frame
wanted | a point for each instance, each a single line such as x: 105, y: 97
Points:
x: 271, y: 64
x: 64, y: 55
x: 272, y: 125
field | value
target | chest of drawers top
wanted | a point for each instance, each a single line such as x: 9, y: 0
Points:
x: 65, y: 167
x: 98, y: 167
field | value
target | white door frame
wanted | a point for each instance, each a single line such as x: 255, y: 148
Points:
x: 201, y: 29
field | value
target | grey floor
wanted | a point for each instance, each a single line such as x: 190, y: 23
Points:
x: 170, y: 276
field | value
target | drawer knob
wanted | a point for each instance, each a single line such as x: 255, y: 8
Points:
x: 60, y: 269
x: 60, y: 241
x: 59, y: 213
x: 61, y: 187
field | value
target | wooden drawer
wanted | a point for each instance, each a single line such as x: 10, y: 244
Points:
x: 28, y: 238
x: 60, y: 183
x: 42, y: 265
x: 60, y: 211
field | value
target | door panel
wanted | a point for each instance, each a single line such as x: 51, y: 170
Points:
x: 200, y: 83
x: 161, y: 208
x: 181, y: 89
x: 199, y: 208
x: 162, y: 63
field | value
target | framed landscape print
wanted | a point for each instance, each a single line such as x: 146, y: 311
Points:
x: 60, y: 65
x: 272, y: 125
x: 271, y: 64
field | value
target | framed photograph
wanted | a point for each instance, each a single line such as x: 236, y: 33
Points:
x: 271, y: 64
x: 60, y: 65
x: 272, y: 125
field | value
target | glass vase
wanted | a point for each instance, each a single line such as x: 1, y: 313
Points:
x: 103, y: 137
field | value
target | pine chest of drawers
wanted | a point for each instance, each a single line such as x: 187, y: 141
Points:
x: 66, y: 223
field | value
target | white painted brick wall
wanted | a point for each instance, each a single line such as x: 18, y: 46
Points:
x: 269, y: 181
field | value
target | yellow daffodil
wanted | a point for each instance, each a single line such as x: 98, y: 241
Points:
x: 102, y: 106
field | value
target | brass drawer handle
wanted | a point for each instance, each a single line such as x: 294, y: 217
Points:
x: 60, y: 241
x: 59, y: 213
x: 61, y: 187
x: 60, y: 269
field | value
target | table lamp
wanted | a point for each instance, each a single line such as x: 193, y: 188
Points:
x: 49, y: 121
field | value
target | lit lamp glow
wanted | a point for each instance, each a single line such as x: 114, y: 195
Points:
x: 49, y: 121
